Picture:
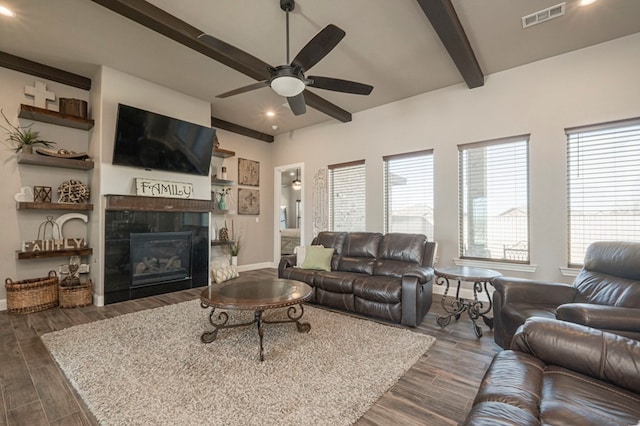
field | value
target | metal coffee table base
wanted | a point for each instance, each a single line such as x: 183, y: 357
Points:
x: 220, y: 322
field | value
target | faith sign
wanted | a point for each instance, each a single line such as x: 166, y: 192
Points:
x: 40, y: 94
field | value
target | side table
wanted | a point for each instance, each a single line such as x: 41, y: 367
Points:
x: 454, y: 307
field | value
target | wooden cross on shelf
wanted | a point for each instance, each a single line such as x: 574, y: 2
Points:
x: 40, y: 94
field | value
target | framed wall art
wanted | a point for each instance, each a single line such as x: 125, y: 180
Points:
x: 248, y: 172
x: 248, y: 201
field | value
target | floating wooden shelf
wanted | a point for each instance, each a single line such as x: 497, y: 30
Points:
x: 218, y: 211
x: 54, y: 117
x: 222, y: 243
x: 65, y: 163
x: 222, y: 182
x: 30, y: 205
x: 223, y: 153
x: 23, y: 255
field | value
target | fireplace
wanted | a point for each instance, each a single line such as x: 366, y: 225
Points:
x: 157, y: 257
x: 148, y: 253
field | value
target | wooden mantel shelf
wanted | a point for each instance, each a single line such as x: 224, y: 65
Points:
x: 54, y: 117
x: 157, y: 204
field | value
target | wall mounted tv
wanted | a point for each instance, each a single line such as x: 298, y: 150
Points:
x: 157, y: 142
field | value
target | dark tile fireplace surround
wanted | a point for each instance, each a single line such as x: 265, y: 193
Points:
x: 154, y: 246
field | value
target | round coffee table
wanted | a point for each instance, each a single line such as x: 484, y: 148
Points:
x: 257, y: 296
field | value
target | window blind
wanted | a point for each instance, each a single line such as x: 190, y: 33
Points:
x: 408, y: 193
x: 494, y: 200
x: 347, y: 201
x: 603, y: 185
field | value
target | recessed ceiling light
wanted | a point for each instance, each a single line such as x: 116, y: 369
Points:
x: 271, y: 114
x: 6, y: 11
x: 587, y: 2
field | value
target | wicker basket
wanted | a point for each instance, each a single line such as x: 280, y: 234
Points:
x: 27, y: 296
x: 76, y: 296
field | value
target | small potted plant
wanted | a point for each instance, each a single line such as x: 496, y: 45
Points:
x: 235, y: 249
x: 22, y: 138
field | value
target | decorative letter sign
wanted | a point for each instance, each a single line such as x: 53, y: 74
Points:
x: 161, y: 188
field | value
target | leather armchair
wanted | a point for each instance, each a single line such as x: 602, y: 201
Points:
x: 604, y: 295
x: 559, y: 373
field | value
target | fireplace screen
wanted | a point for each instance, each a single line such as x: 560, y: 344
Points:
x: 160, y: 257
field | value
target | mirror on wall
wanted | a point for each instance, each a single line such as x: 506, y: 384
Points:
x: 290, y: 210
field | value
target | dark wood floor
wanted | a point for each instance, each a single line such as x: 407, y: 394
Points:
x: 437, y: 390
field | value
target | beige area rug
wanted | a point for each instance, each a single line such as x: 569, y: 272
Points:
x: 150, y: 368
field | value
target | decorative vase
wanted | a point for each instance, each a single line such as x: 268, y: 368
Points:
x: 234, y: 260
x: 222, y: 204
x: 27, y: 149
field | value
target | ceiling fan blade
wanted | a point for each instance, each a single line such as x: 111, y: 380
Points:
x: 247, y: 63
x: 338, y: 85
x: 318, y: 47
x: 296, y: 103
x: 250, y: 87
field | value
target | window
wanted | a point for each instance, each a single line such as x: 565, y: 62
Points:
x: 408, y: 193
x: 494, y: 200
x: 347, y: 197
x: 603, y: 185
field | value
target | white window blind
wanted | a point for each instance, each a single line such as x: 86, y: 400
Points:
x: 603, y: 180
x: 347, y: 197
x: 408, y: 193
x: 494, y: 200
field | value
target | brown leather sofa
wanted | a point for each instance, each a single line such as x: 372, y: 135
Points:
x: 388, y: 277
x: 604, y: 295
x: 560, y: 373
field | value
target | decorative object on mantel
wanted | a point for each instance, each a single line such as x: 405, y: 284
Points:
x: 248, y: 172
x: 163, y: 188
x: 61, y: 220
x: 22, y: 138
x: 73, y: 191
x: 42, y: 194
x: 320, y: 201
x: 248, y: 201
x: 40, y: 94
x: 63, y: 153
x: 25, y: 194
x: 75, y: 107
x: 32, y: 295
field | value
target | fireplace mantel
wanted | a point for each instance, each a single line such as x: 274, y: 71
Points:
x: 157, y: 204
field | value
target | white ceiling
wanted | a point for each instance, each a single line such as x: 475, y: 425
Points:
x: 390, y: 44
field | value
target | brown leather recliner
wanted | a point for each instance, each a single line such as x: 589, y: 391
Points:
x: 604, y: 295
x: 559, y: 373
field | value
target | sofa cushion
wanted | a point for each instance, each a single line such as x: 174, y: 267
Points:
x: 335, y: 300
x: 337, y: 282
x: 317, y: 257
x: 359, y: 252
x: 603, y: 289
x: 334, y: 240
x: 387, y: 311
x: 378, y: 288
x: 298, y: 274
x: 402, y: 247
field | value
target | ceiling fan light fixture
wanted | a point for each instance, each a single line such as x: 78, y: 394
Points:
x: 287, y: 86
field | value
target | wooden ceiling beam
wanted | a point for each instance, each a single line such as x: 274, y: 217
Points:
x: 37, y: 69
x: 445, y: 22
x: 240, y: 130
x: 158, y: 20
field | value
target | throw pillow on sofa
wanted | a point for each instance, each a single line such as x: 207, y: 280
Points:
x: 301, y: 253
x: 318, y: 258
x: 224, y: 273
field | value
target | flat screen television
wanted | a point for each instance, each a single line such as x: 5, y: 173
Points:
x: 157, y: 142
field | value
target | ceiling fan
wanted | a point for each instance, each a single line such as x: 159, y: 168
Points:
x: 290, y: 80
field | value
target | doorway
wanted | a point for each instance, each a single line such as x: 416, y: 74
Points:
x: 288, y: 209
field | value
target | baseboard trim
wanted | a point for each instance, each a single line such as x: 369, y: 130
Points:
x: 254, y: 266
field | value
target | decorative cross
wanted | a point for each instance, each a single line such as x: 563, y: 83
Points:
x: 40, y: 94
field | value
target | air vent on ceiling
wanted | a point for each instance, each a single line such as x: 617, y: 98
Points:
x: 543, y: 15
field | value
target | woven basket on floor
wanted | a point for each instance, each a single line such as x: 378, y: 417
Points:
x: 37, y: 294
x: 76, y: 296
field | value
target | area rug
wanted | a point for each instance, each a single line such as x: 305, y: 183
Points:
x: 150, y: 368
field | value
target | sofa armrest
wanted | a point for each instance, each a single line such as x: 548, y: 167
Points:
x: 423, y: 274
x: 288, y: 261
x: 595, y: 353
x: 600, y: 316
x: 521, y: 290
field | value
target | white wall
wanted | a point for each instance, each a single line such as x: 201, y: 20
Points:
x: 593, y: 85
